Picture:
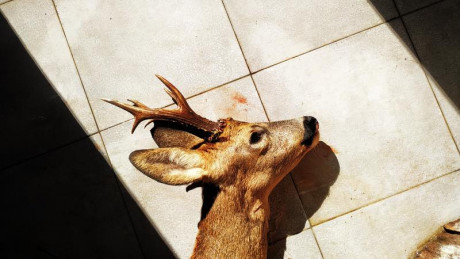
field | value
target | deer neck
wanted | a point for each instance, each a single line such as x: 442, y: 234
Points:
x: 235, y: 227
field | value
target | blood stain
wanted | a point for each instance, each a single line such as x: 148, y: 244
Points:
x: 240, y: 98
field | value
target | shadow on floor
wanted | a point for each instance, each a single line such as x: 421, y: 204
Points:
x: 433, y: 35
x: 313, y: 177
x: 434, y: 31
x: 59, y: 198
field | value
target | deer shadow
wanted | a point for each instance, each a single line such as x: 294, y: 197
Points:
x: 308, y: 184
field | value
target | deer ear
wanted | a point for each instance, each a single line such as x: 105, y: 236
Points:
x: 169, y: 134
x: 172, y: 166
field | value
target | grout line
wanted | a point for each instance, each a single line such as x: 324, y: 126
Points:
x: 187, y: 98
x: 214, y: 88
x: 417, y: 9
x: 236, y: 37
x: 123, y: 199
x: 75, y: 64
x: 109, y: 161
x: 251, y: 75
x: 387, y: 197
x: 419, y: 61
x: 308, y: 219
x: 442, y: 112
x: 6, y: 2
x: 316, y: 240
x: 245, y: 60
x: 325, y: 45
x: 114, y: 125
x: 115, y: 176
x: 350, y: 35
x: 53, y: 149
x: 260, y: 99
x: 275, y: 64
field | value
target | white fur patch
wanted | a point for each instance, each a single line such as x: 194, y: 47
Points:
x: 191, y: 173
x: 449, y: 251
x: 185, y: 159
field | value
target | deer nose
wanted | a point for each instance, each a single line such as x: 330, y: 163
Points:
x: 311, y: 126
x: 310, y: 123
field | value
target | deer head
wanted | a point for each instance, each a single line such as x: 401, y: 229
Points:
x: 242, y: 158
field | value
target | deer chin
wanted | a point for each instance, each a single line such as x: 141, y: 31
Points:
x: 237, y: 163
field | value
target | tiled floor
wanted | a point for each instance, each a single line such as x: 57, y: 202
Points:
x: 381, y: 76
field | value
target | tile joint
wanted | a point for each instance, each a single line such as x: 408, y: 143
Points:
x: 98, y: 132
x: 387, y: 197
x: 245, y: 60
x: 425, y: 72
x: 6, y: 2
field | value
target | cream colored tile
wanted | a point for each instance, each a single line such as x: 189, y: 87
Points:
x: 374, y: 106
x: 435, y: 32
x: 272, y: 31
x: 4, y: 1
x: 450, y: 109
x: 302, y: 245
x: 395, y: 227
x: 99, y: 144
x: 173, y: 212
x: 119, y: 46
x: 38, y: 27
x: 238, y: 100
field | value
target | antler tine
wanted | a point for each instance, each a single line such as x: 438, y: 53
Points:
x: 138, y: 110
x: 177, y: 96
x: 184, y: 114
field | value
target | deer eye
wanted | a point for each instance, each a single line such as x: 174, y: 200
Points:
x: 255, y: 137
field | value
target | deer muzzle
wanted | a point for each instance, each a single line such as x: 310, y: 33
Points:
x: 311, y: 127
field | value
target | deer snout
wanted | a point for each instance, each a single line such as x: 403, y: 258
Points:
x: 311, y: 127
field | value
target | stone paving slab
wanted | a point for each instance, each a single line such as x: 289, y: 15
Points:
x: 383, y: 131
x: 375, y: 106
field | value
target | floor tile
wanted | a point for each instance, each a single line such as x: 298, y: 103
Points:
x: 99, y: 145
x: 375, y: 108
x: 119, y: 46
x: 64, y: 204
x: 173, y: 211
x: 287, y: 216
x: 395, y: 227
x: 435, y: 32
x: 302, y: 245
x: 405, y: 6
x: 238, y: 100
x: 34, y: 118
x: 450, y: 109
x: 272, y: 31
x: 38, y: 28
x: 151, y: 242
x: 315, y: 175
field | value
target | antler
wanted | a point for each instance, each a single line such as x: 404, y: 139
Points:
x: 183, y: 114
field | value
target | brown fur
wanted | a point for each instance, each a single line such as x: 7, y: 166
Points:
x: 236, y: 224
x: 444, y: 244
x: 237, y: 163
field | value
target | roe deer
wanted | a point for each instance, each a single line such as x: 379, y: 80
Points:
x: 444, y: 244
x: 241, y: 161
